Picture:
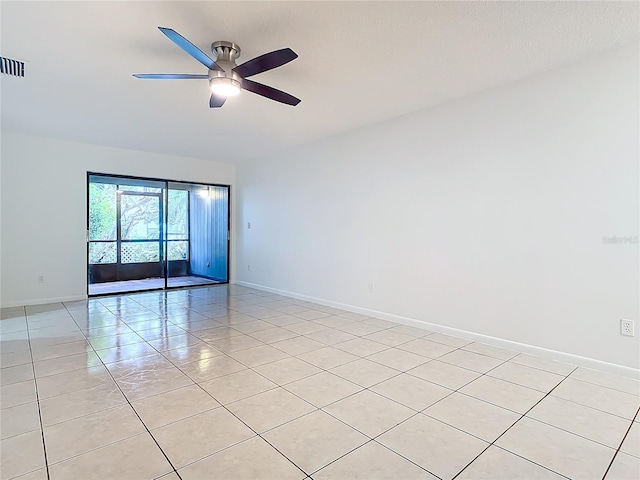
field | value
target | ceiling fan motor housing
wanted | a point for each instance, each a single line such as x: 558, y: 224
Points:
x: 225, y: 54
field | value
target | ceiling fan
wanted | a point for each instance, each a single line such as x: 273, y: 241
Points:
x: 226, y: 79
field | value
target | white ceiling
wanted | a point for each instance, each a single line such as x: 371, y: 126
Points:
x: 360, y: 63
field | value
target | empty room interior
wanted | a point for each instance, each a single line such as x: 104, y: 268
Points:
x: 320, y: 240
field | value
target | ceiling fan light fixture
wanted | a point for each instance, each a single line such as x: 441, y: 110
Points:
x: 226, y: 78
x: 225, y: 86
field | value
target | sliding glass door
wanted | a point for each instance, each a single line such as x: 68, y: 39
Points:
x: 197, y: 234
x: 147, y: 234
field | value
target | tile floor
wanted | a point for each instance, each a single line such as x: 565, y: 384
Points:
x: 226, y: 382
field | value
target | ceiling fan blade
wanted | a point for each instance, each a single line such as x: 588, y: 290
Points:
x: 215, y: 101
x: 265, y: 62
x: 190, y: 48
x: 171, y: 76
x: 270, y: 92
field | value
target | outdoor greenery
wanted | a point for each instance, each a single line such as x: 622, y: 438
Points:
x: 102, y: 211
x: 140, y: 220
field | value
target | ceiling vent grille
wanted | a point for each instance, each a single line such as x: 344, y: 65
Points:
x: 11, y: 67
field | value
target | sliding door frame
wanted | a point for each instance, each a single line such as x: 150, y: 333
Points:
x: 165, y: 211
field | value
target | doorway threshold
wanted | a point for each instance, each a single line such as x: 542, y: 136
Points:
x: 127, y: 286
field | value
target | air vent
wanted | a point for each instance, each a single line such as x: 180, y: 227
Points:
x: 11, y: 67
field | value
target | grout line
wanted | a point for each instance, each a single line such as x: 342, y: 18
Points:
x: 134, y: 410
x: 374, y: 438
x: 371, y: 440
x: 35, y: 383
x: 578, y: 434
x: 165, y: 319
x: 512, y: 425
x: 428, y: 359
x: 232, y: 413
x: 284, y: 388
x: 418, y: 412
x: 584, y: 405
x: 350, y: 395
x: 605, y: 386
x: 184, y: 302
x: 621, y: 443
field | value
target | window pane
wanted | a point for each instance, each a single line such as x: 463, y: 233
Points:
x: 178, y: 250
x: 102, y: 211
x: 102, y: 252
x: 131, y: 188
x: 140, y: 252
x: 178, y: 209
x: 140, y: 217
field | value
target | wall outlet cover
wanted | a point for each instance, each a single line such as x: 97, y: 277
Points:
x: 626, y: 327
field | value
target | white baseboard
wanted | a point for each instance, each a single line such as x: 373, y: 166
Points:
x: 495, y: 341
x: 42, y: 301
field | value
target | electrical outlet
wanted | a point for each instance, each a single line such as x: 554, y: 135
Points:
x: 40, y: 278
x: 626, y: 327
x: 248, y: 268
x: 248, y: 225
x: 371, y: 286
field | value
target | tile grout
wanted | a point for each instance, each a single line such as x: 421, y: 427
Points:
x: 509, y: 428
x: 163, y: 317
x: 134, y: 410
x: 35, y: 384
x: 283, y: 386
x: 229, y: 411
x: 621, y: 443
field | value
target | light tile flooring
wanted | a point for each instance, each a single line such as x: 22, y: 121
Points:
x: 226, y: 382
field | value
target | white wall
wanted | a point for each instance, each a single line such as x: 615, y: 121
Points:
x: 485, y: 214
x: 44, y: 209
